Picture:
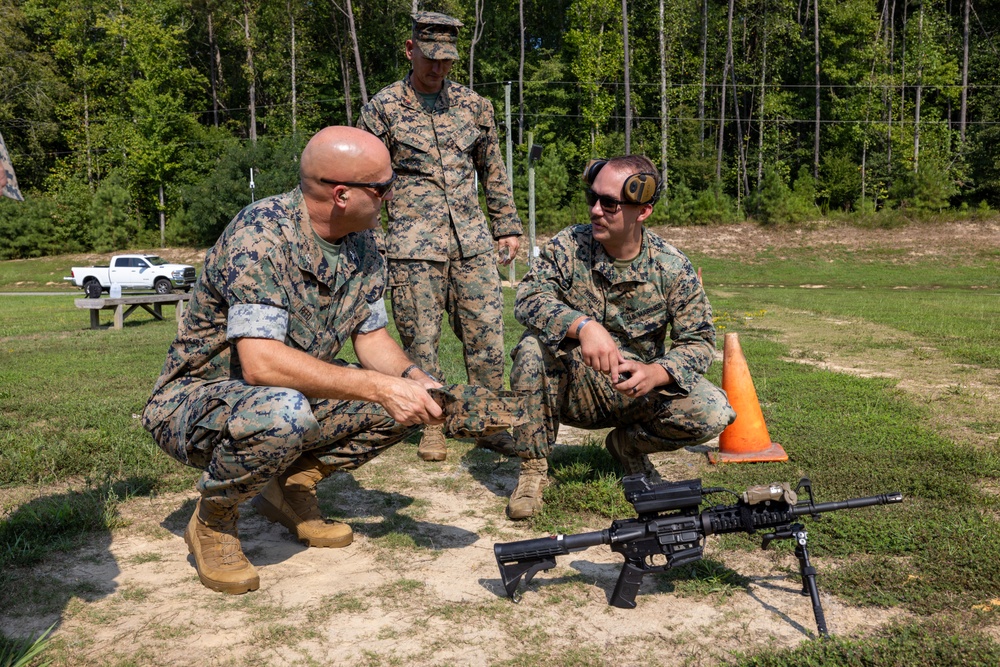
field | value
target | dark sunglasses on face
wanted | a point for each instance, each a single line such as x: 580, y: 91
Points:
x: 381, y: 189
x: 608, y: 203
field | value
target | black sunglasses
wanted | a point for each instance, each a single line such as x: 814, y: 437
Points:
x: 381, y: 189
x: 608, y: 203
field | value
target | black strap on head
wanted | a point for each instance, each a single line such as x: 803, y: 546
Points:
x: 592, y: 169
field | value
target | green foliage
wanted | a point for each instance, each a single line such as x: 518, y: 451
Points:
x: 24, y: 653
x: 551, y: 192
x: 841, y: 179
x: 142, y: 94
x: 713, y: 206
x: 210, y: 204
x: 776, y: 204
x: 925, y: 191
x: 112, y: 224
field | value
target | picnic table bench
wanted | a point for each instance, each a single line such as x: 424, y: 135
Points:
x: 125, y: 305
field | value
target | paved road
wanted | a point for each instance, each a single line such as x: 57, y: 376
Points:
x: 77, y: 293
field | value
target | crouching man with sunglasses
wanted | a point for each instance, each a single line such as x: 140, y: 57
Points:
x: 618, y: 334
x: 252, y: 392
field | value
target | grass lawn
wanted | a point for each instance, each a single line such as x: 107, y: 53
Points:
x: 69, y: 398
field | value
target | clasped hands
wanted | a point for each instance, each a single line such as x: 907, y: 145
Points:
x: 629, y: 377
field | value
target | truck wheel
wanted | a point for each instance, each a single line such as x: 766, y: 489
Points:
x: 92, y: 289
x: 162, y: 286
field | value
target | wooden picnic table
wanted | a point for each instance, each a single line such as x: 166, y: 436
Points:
x: 124, y: 306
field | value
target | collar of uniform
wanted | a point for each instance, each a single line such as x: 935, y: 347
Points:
x: 413, y: 100
x: 308, y: 255
x: 604, y: 263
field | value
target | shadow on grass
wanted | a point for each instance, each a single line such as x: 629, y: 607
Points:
x: 37, y: 576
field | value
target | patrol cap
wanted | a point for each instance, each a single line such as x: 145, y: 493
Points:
x: 436, y: 34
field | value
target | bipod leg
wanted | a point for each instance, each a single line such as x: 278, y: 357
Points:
x: 809, y: 576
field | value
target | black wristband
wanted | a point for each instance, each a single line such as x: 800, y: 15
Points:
x: 412, y: 367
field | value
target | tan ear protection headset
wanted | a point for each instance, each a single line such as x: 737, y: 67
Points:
x: 639, y: 188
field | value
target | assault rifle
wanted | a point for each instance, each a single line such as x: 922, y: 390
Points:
x: 670, y: 532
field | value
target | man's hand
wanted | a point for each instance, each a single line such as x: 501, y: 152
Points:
x: 599, y: 349
x: 635, y: 379
x: 508, y: 246
x: 408, y: 402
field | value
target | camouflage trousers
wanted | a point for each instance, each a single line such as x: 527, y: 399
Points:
x: 575, y: 394
x: 469, y: 291
x: 242, y: 435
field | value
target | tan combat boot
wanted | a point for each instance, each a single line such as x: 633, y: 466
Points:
x: 432, y: 445
x: 213, y: 541
x: 526, y: 500
x: 631, y: 459
x: 290, y: 499
x: 502, y: 443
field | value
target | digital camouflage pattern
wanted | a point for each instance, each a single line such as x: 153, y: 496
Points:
x: 266, y: 277
x: 436, y: 156
x: 440, y: 246
x: 436, y: 35
x: 658, y: 297
x: 469, y: 291
x: 8, y: 181
x: 473, y: 412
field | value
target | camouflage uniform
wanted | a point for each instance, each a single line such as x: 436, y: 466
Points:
x: 266, y: 277
x: 439, y: 245
x: 574, y: 276
x: 10, y: 189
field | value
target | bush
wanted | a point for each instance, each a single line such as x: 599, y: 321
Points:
x: 776, y: 204
x: 926, y: 191
x: 46, y: 225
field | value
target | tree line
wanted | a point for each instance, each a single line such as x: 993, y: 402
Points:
x: 138, y: 123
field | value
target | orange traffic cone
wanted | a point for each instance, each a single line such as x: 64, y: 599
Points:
x: 746, y: 439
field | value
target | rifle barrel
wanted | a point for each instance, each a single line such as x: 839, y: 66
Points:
x: 881, y: 499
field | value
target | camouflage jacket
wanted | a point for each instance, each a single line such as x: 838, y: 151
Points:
x: 10, y: 188
x: 266, y: 277
x: 436, y: 155
x: 574, y: 276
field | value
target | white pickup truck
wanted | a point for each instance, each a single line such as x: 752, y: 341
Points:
x: 133, y: 272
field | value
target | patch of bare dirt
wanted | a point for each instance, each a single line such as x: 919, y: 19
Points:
x: 955, y: 239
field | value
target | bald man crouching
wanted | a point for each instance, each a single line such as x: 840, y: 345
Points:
x: 251, y: 391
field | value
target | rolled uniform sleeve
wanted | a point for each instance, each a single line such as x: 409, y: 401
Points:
x: 378, y: 319
x: 254, y: 289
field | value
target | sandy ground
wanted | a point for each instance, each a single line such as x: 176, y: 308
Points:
x: 420, y: 586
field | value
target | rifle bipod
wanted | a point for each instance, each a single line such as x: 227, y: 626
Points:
x: 797, y: 532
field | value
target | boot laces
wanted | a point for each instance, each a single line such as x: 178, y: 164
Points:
x: 230, y: 549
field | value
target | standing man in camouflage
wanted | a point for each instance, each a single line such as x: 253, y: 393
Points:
x: 598, y: 306
x: 442, y: 251
x: 252, y: 392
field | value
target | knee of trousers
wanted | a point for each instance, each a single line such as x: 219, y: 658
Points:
x: 711, y: 419
x: 280, y: 418
x: 531, y: 359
